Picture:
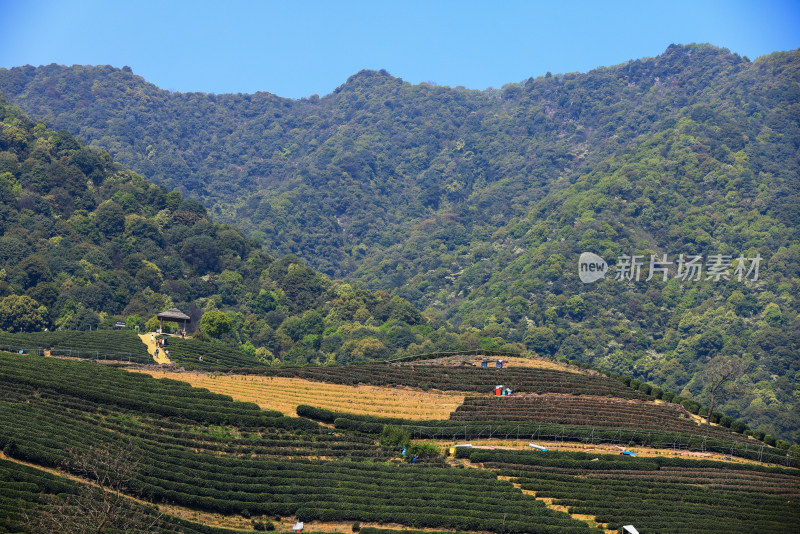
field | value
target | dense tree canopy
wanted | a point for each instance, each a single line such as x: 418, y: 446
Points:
x: 98, y: 244
x: 20, y: 313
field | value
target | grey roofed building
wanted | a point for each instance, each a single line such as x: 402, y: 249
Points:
x: 173, y: 314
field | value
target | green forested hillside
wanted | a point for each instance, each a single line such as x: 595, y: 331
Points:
x: 85, y: 243
x: 475, y: 205
x: 337, y: 178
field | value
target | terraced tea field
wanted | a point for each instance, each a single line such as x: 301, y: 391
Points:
x: 656, y: 494
x: 119, y: 345
x: 461, y: 378
x: 208, y: 452
x: 305, y: 444
x: 285, y: 394
x: 588, y: 410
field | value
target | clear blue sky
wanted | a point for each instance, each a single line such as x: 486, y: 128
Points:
x: 298, y: 48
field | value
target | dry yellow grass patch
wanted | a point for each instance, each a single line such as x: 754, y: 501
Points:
x: 236, y: 522
x: 285, y: 394
x: 539, y: 363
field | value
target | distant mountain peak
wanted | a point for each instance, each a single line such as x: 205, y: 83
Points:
x: 369, y: 78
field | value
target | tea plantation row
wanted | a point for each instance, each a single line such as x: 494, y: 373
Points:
x: 102, y: 384
x: 588, y: 411
x: 279, y: 437
x: 698, y: 503
x: 470, y: 430
x: 123, y: 345
x: 23, y: 492
x: 451, y: 378
x: 196, y: 354
x: 412, y: 495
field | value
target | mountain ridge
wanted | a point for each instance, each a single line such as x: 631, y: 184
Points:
x: 474, y: 205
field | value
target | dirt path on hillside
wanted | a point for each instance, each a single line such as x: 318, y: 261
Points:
x: 149, y: 340
x: 592, y: 520
x: 574, y: 447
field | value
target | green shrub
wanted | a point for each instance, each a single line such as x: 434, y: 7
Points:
x: 691, y: 405
x: 152, y: 324
x: 422, y: 451
x: 317, y: 414
x: 345, y: 423
x: 739, y: 426
x: 394, y: 436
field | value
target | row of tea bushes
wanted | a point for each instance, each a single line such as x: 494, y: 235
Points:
x: 587, y: 410
x: 655, y: 494
x: 207, y: 355
x: 123, y: 345
x: 103, y: 384
x: 666, y: 507
x: 692, y: 439
x: 24, y: 495
x: 470, y: 379
x: 27, y: 412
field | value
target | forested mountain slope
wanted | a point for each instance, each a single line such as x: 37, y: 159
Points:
x: 85, y: 242
x: 477, y: 204
x: 321, y: 177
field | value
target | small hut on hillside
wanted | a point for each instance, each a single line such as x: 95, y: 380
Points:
x: 173, y: 314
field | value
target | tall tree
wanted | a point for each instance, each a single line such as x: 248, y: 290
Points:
x: 215, y: 323
x: 20, y: 313
x: 721, y: 372
x: 102, y: 502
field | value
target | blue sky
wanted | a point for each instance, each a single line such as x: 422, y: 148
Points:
x: 298, y: 48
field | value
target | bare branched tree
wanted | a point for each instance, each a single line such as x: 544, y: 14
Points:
x: 721, y: 372
x: 103, y: 503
